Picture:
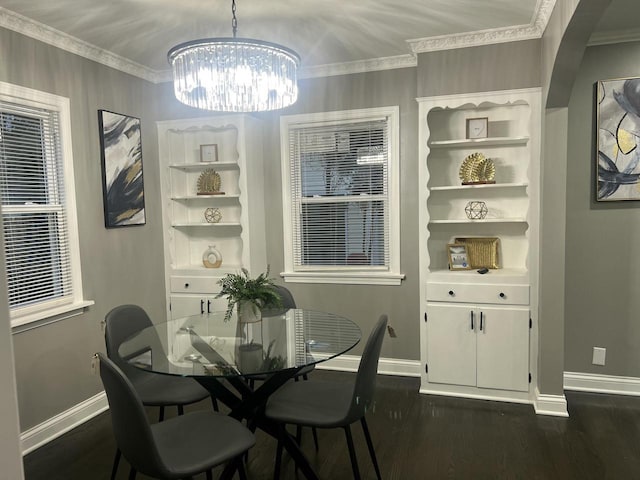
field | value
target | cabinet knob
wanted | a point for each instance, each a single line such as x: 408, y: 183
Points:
x: 502, y: 295
x: 452, y: 293
x: 186, y: 285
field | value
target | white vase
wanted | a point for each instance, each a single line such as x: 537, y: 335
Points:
x: 248, y: 312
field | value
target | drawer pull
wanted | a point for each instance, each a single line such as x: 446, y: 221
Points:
x: 186, y: 285
x: 481, y: 320
x: 502, y: 295
x: 472, y: 326
x: 452, y: 293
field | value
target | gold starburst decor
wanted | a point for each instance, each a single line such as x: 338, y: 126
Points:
x: 476, y: 169
x: 209, y: 183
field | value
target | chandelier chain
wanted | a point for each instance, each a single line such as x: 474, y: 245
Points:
x: 234, y: 21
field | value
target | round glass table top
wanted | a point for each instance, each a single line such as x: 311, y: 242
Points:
x: 206, y: 345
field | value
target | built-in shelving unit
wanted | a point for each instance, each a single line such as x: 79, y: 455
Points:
x: 239, y: 235
x: 477, y: 339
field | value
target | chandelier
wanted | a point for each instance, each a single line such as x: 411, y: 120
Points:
x: 234, y: 74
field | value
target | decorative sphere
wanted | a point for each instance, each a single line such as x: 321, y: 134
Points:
x: 212, y: 215
x: 476, y: 210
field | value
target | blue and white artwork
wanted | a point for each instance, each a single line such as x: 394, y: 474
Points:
x: 123, y: 187
x: 618, y: 138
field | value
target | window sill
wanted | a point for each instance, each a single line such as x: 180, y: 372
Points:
x: 351, y: 278
x: 40, y: 319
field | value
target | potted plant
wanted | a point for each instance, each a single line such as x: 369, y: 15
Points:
x: 249, y: 294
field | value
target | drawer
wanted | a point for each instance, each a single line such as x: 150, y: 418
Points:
x: 475, y: 293
x: 195, y: 284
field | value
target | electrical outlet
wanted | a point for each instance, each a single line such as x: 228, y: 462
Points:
x: 94, y: 364
x: 599, y: 355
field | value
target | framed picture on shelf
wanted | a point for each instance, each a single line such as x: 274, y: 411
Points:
x: 458, y: 257
x: 122, y: 181
x: 209, y: 153
x: 618, y: 130
x: 477, y: 127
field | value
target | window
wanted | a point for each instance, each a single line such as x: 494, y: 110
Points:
x: 38, y: 205
x: 340, y: 197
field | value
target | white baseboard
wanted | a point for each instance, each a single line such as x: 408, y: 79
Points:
x: 386, y: 366
x: 63, y: 422
x: 595, y: 383
x: 554, y: 405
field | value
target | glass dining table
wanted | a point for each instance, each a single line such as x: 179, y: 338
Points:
x: 227, y: 357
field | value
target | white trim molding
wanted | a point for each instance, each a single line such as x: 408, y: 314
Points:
x: 359, y: 66
x: 533, y: 30
x: 553, y: 405
x: 614, y: 36
x: 46, y: 34
x: 60, y: 424
x: 386, y: 366
x: 596, y: 383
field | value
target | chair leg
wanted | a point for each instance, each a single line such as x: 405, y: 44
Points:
x: 214, y: 402
x: 315, y: 437
x: 372, y: 452
x: 132, y: 474
x: 161, y: 415
x: 116, y: 462
x: 180, y: 409
x: 209, y: 475
x: 298, y: 435
x: 305, y: 376
x: 241, y: 471
x: 352, y: 453
x: 278, y: 462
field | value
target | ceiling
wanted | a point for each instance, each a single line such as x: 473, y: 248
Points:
x: 135, y: 35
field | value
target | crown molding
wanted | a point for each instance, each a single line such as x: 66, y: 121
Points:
x: 39, y: 31
x: 614, y: 36
x: 533, y: 30
x: 44, y: 33
x: 359, y: 66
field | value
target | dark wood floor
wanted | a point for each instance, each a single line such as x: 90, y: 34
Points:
x: 418, y: 437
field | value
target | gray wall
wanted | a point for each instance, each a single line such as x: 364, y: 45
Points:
x: 119, y: 265
x: 501, y: 66
x: 563, y: 44
x: 10, y: 451
x: 602, y: 238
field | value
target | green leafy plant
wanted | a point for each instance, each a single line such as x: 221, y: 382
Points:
x: 239, y: 287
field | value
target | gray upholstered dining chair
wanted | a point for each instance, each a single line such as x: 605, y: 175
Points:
x: 153, y: 389
x: 180, y: 447
x: 323, y: 404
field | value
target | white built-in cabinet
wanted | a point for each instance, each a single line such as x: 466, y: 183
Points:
x: 239, y: 236
x: 478, y: 332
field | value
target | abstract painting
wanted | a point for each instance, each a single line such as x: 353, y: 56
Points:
x: 618, y: 123
x: 122, y: 183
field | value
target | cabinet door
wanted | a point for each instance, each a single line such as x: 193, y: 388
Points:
x: 187, y: 305
x: 503, y: 349
x: 451, y: 344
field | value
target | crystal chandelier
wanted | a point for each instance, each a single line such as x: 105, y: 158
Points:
x: 234, y: 74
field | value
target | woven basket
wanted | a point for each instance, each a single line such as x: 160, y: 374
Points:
x: 482, y: 251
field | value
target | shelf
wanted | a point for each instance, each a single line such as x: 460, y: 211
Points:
x: 499, y: 275
x: 200, y: 270
x: 205, y: 197
x: 472, y: 187
x: 204, y: 165
x: 486, y: 220
x: 206, y: 225
x: 480, y: 142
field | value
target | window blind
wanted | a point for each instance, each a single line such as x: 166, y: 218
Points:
x: 339, y: 195
x: 38, y: 259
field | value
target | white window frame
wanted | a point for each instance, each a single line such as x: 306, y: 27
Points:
x: 58, y: 308
x: 346, y: 274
